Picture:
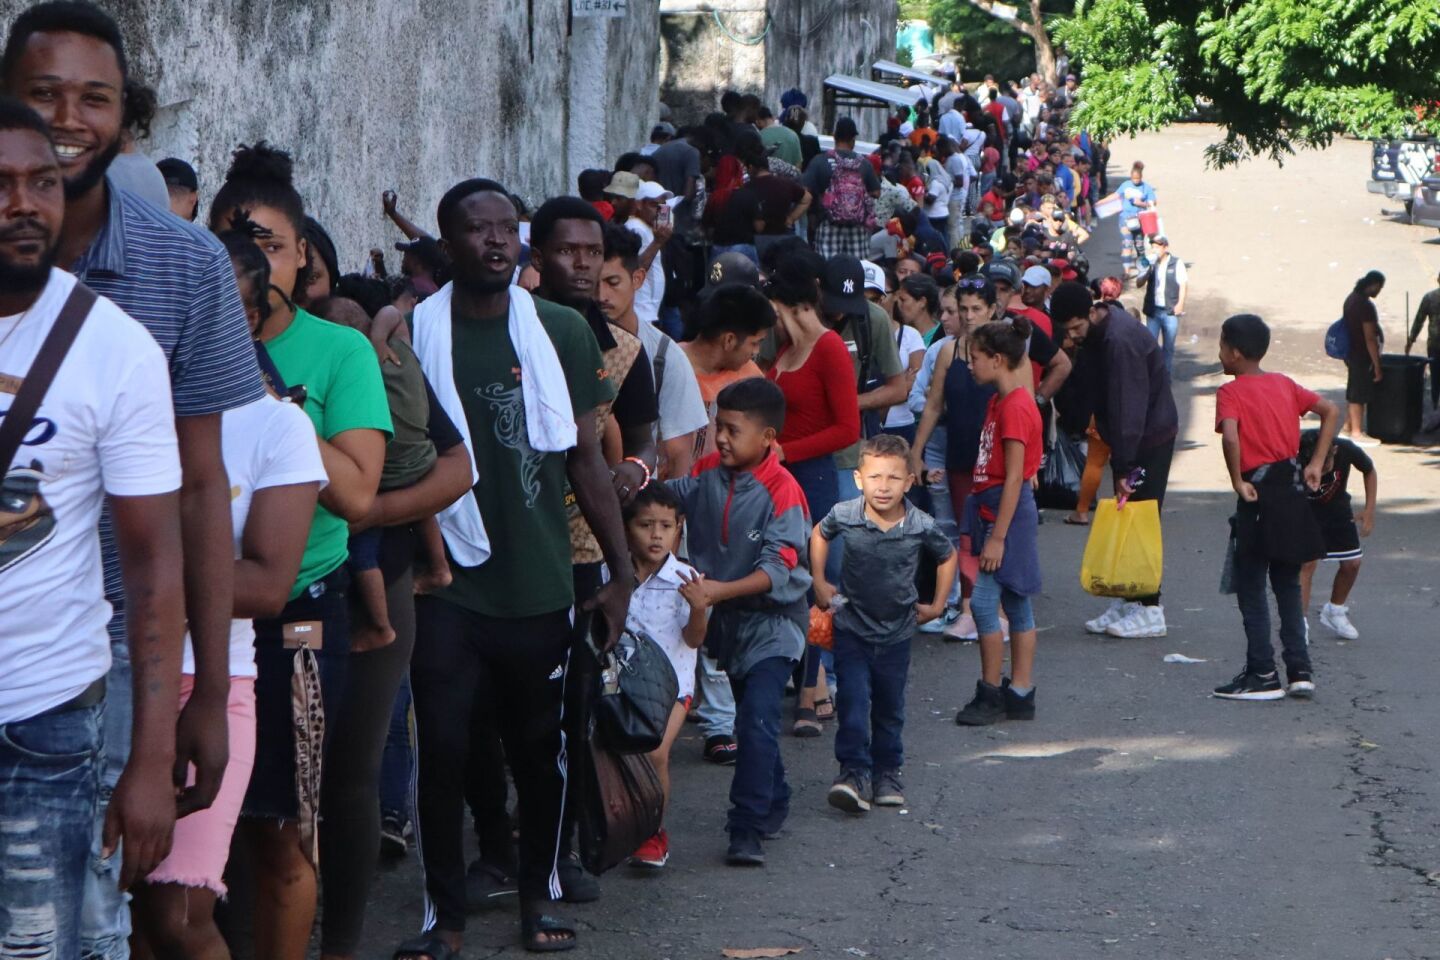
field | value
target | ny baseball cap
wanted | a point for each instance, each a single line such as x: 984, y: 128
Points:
x: 845, y: 286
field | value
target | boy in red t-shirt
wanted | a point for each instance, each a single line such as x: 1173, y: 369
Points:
x: 1003, y: 525
x: 1258, y: 417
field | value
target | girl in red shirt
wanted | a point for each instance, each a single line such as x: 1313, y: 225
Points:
x: 1002, y: 522
x: 822, y: 416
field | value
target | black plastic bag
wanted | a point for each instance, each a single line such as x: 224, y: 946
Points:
x: 1060, y: 474
x: 621, y: 805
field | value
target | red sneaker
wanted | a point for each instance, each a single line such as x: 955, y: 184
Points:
x: 653, y: 853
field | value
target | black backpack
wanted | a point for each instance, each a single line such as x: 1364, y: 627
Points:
x: 684, y: 272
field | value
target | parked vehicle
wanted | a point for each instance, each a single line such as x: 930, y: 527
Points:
x: 1400, y: 168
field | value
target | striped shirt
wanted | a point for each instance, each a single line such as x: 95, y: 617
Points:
x: 176, y: 280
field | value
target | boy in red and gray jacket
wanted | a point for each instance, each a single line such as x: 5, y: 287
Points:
x: 749, y: 531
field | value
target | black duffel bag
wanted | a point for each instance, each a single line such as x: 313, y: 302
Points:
x: 638, y: 691
x: 620, y: 802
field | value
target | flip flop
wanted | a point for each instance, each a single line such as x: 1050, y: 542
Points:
x: 1077, y: 523
x: 426, y: 945
x: 545, y: 934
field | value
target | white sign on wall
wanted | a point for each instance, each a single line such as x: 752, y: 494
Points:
x: 599, y: 8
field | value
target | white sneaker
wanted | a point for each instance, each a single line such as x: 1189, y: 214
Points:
x: 1139, y: 623
x: 1117, y: 610
x: 963, y: 629
x: 1338, y: 620
x: 939, y: 624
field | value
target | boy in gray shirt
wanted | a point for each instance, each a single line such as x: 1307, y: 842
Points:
x: 876, y: 613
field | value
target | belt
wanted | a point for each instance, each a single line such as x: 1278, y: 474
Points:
x: 89, y: 697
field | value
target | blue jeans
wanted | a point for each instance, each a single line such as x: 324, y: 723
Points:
x: 987, y: 599
x: 1164, y: 326
x: 943, y: 510
x: 670, y: 323
x: 105, y: 920
x: 717, y: 700
x: 1248, y: 578
x: 870, y: 704
x: 397, y: 760
x: 50, y: 769
x: 759, y: 795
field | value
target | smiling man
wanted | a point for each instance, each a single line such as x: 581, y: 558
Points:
x: 104, y: 428
x: 523, y: 379
x: 66, y: 60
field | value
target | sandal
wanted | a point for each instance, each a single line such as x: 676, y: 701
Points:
x: 1075, y: 521
x: 807, y: 724
x: 426, y: 945
x: 825, y: 710
x: 540, y: 933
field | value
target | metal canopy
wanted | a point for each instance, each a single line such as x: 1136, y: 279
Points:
x: 891, y: 68
x: 854, y: 92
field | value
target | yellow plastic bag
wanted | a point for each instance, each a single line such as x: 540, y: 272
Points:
x: 1124, y: 556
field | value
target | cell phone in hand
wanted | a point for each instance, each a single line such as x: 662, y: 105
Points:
x: 662, y: 216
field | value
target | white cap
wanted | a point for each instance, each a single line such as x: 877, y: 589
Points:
x: 650, y: 190
x: 874, y: 276
x: 1017, y: 216
x: 1036, y: 276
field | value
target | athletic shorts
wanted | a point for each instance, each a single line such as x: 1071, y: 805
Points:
x: 1337, y: 526
x: 1359, y: 381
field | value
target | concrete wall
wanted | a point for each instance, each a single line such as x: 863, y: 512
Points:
x: 804, y: 41
x: 373, y: 94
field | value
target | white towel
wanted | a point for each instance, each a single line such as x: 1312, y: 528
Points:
x: 549, y: 418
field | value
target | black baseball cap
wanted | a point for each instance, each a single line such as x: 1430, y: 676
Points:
x: 426, y: 249
x: 178, y: 173
x: 732, y: 268
x: 1002, y: 271
x: 845, y: 286
x: 845, y: 129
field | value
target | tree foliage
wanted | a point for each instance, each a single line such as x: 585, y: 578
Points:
x: 1277, y: 75
x: 989, y: 44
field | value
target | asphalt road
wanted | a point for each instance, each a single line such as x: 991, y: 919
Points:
x: 1136, y: 817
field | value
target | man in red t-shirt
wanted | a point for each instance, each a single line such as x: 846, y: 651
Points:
x: 1258, y: 417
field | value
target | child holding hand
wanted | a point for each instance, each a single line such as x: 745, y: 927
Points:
x: 669, y: 607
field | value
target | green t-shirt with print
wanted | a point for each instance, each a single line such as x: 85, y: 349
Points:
x: 343, y: 391
x: 521, y: 493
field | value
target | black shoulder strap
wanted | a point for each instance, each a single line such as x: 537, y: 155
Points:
x: 42, y: 372
x: 659, y: 365
x: 864, y: 347
x: 269, y: 371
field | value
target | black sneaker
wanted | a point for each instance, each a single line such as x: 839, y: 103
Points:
x: 1016, y: 706
x: 889, y: 791
x: 394, y: 838
x: 988, y: 707
x: 488, y: 886
x: 745, y: 849
x: 848, y: 792
x: 1302, y: 684
x: 721, y: 749
x: 1252, y: 686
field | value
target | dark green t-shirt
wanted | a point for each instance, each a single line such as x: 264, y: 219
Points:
x: 521, y: 493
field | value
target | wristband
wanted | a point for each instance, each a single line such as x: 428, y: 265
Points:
x: 643, y: 466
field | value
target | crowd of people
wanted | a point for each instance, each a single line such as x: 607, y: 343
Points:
x: 777, y: 408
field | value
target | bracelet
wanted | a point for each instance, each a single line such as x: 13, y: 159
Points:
x: 643, y: 466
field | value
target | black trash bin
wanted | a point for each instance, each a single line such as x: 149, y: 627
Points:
x: 1398, y: 406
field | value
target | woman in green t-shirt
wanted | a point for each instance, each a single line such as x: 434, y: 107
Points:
x: 344, y: 397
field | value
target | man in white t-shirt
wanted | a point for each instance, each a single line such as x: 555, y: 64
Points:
x: 105, y: 428
x: 637, y: 205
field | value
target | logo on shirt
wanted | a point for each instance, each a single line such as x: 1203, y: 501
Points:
x: 753, y: 536
x: 26, y: 520
x: 508, y: 407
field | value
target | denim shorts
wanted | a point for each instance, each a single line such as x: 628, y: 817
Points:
x: 272, y: 791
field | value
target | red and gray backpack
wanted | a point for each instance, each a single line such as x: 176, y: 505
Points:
x: 846, y: 201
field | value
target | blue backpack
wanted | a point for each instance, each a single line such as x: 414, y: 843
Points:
x: 1337, y: 340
